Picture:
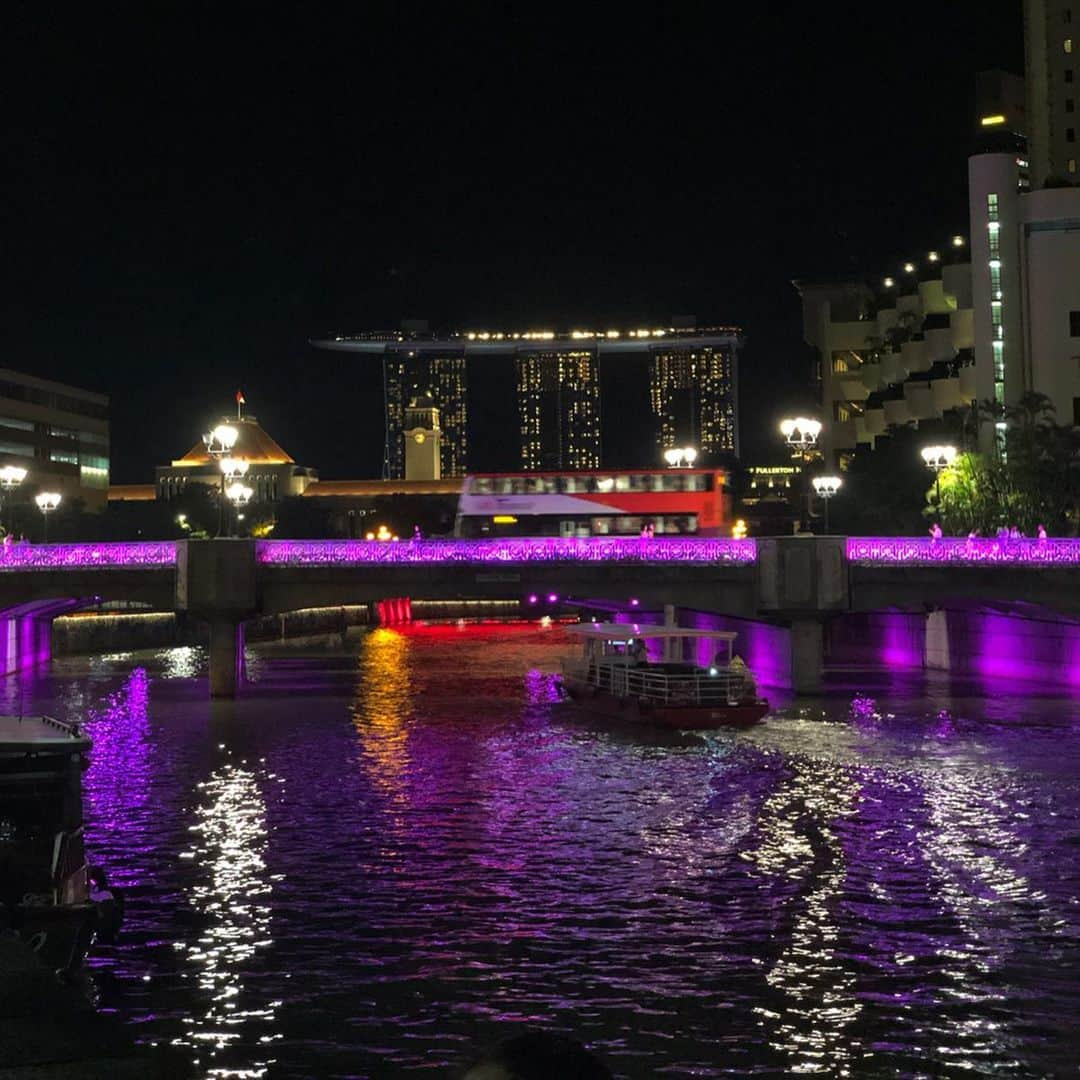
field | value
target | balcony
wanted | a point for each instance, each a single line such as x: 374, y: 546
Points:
x: 962, y: 324
x: 895, y: 405
x: 938, y: 343
x: 915, y: 358
x: 919, y: 397
x: 849, y: 386
x: 892, y: 368
x: 871, y: 376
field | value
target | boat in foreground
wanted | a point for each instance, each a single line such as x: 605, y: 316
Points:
x: 640, y: 673
x: 44, y: 889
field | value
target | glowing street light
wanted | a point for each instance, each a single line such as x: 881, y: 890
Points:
x: 47, y: 502
x: 825, y: 488
x: 679, y: 457
x: 219, y: 443
x: 801, y: 434
x: 938, y: 458
x: 11, y: 476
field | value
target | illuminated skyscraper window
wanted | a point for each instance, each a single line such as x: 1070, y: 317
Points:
x: 559, y: 409
x: 693, y: 391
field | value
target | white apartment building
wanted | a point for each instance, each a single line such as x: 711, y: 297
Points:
x: 994, y: 315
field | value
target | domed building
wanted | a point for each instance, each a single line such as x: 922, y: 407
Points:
x: 271, y: 474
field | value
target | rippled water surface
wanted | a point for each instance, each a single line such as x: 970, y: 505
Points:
x: 372, y: 863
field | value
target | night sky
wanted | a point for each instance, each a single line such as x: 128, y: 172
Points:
x: 189, y: 199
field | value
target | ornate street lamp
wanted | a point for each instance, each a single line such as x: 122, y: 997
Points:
x: 826, y: 487
x: 679, y: 457
x: 938, y: 458
x: 11, y: 476
x: 47, y: 502
x: 801, y: 435
x: 239, y: 495
x: 219, y: 443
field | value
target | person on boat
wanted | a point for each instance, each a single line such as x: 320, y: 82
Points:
x: 1042, y: 533
x: 109, y: 902
x: 639, y: 652
x: 743, y: 682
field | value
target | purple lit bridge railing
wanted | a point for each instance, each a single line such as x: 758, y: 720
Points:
x: 980, y: 551
x: 511, y: 550
x: 138, y: 556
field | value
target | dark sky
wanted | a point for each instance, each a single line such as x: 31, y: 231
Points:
x: 191, y: 196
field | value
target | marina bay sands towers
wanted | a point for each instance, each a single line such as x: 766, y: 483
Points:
x: 688, y: 375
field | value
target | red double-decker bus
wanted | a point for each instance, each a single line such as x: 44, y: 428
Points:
x: 673, y: 502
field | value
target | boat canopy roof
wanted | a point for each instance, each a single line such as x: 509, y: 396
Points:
x: 624, y: 632
x: 22, y: 734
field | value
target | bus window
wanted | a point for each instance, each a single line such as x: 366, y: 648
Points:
x: 481, y: 485
x: 622, y: 483
x: 695, y: 481
x: 605, y: 483
x: 572, y: 484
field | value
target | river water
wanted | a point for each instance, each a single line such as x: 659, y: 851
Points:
x: 372, y: 863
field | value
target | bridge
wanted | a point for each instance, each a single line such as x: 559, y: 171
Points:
x: 796, y: 583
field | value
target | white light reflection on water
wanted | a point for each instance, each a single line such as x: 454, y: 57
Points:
x: 233, y: 892
x: 799, y: 845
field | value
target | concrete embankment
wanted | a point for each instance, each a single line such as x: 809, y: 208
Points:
x: 92, y: 632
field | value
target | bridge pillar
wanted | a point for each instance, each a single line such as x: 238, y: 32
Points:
x: 215, y: 581
x: 226, y: 657
x: 807, y: 655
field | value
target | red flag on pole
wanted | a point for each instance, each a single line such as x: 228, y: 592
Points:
x: 240, y: 399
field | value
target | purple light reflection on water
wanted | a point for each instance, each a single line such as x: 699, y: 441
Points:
x: 118, y: 781
x: 442, y: 855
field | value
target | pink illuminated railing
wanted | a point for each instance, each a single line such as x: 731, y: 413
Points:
x: 918, y: 551
x: 509, y: 550
x: 88, y: 556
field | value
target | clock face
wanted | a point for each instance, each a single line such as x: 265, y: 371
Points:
x: 419, y: 437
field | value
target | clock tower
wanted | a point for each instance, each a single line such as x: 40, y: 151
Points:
x: 423, y: 440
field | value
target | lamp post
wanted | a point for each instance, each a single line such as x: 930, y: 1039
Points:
x: 938, y: 458
x: 11, y: 476
x: 239, y: 495
x: 232, y: 471
x: 801, y: 434
x: 679, y: 457
x: 219, y: 442
x: 47, y: 502
x: 826, y: 487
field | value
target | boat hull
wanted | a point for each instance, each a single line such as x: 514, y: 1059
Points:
x: 676, y: 717
x: 60, y: 934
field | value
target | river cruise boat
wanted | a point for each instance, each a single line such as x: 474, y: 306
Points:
x: 639, y: 673
x: 44, y: 888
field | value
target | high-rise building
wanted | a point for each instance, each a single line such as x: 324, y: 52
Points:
x: 59, y: 434
x: 693, y: 389
x: 558, y: 393
x: 438, y: 374
x: 985, y: 319
x: 1052, y: 55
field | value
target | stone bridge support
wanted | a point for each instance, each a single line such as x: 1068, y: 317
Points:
x: 216, y: 582
x: 802, y: 581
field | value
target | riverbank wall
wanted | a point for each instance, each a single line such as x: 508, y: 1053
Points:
x: 93, y: 632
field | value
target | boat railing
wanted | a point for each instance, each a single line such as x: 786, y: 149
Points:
x: 654, y: 684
